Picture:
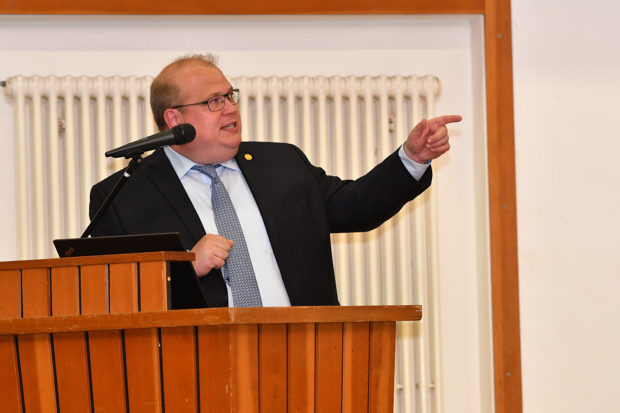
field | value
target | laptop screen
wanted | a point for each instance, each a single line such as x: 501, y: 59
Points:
x: 118, y: 244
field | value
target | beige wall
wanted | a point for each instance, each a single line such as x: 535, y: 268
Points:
x: 567, y: 101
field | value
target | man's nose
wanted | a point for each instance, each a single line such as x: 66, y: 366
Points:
x: 229, y: 107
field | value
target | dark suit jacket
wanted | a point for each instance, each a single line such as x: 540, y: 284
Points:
x: 299, y: 203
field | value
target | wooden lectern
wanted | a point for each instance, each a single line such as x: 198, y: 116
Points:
x: 94, y: 334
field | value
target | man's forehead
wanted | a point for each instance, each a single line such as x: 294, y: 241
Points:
x: 209, y: 76
x: 204, y: 80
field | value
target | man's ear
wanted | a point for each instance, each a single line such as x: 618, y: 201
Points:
x: 170, y: 117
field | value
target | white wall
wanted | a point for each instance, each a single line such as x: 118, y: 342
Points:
x: 567, y: 106
x: 278, y: 45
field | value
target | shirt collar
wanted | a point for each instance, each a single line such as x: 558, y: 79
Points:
x: 182, y: 165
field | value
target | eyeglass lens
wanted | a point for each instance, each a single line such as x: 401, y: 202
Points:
x: 217, y: 102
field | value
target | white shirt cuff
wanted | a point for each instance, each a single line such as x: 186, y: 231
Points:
x: 415, y: 169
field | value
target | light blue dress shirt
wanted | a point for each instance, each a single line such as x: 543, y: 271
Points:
x: 198, y: 188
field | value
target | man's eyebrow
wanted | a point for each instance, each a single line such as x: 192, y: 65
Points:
x: 214, y: 94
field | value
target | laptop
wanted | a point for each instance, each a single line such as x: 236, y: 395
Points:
x: 184, y: 288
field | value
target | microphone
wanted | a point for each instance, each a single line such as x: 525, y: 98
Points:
x: 178, y: 135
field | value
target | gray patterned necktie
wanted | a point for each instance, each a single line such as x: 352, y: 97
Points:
x: 238, y: 270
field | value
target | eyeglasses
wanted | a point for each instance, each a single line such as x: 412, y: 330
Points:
x: 216, y: 102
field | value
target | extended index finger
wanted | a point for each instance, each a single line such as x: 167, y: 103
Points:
x: 445, y: 119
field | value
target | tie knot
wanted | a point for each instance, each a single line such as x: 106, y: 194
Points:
x: 208, y: 170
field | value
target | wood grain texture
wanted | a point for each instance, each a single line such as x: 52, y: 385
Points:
x: 252, y: 367
x: 10, y: 307
x: 123, y: 288
x: 106, y: 348
x: 10, y: 294
x: 10, y: 386
x: 355, y: 359
x: 301, y: 370
x: 65, y: 284
x: 70, y: 353
x: 242, y: 7
x: 208, y: 316
x: 35, y: 350
x: 215, y: 367
x: 72, y: 376
x: 95, y: 292
x: 381, y: 365
x: 108, y: 371
x: 328, y: 395
x: 502, y: 207
x: 179, y: 364
x: 272, y: 361
x: 244, y: 360
x: 143, y: 371
x: 99, y: 259
x: 153, y: 286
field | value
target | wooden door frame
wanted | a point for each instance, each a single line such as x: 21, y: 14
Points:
x: 500, y: 130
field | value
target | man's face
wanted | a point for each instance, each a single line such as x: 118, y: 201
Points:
x: 218, y: 134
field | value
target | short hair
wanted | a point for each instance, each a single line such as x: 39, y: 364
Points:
x: 164, y: 89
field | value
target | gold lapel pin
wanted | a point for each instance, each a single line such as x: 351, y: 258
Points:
x: 248, y: 157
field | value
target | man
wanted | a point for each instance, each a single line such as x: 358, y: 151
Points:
x: 284, y: 206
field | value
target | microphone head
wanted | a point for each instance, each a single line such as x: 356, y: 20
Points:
x: 183, y: 133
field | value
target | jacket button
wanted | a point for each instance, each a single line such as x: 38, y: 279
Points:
x: 223, y: 299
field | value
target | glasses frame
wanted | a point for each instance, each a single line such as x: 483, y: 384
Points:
x: 232, y: 97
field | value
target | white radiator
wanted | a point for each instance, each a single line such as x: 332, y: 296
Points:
x: 63, y: 126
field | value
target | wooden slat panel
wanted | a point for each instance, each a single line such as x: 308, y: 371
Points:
x: 143, y: 370
x: 123, y: 288
x: 94, y: 289
x: 178, y: 346
x: 65, y: 291
x: 153, y: 286
x: 108, y: 371
x: 70, y: 354
x: 35, y: 356
x: 301, y: 356
x: 214, y: 355
x: 36, y: 292
x: 244, y: 359
x: 381, y: 375
x: 10, y: 386
x: 35, y: 352
x: 10, y: 307
x: 10, y: 294
x: 272, y: 367
x: 141, y: 346
x: 355, y: 358
x: 72, y: 376
x: 106, y: 350
x: 328, y: 397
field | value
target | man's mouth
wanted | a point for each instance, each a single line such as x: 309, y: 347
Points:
x: 229, y: 126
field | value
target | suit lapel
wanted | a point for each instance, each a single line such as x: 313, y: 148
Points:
x: 165, y: 179
x: 249, y: 162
